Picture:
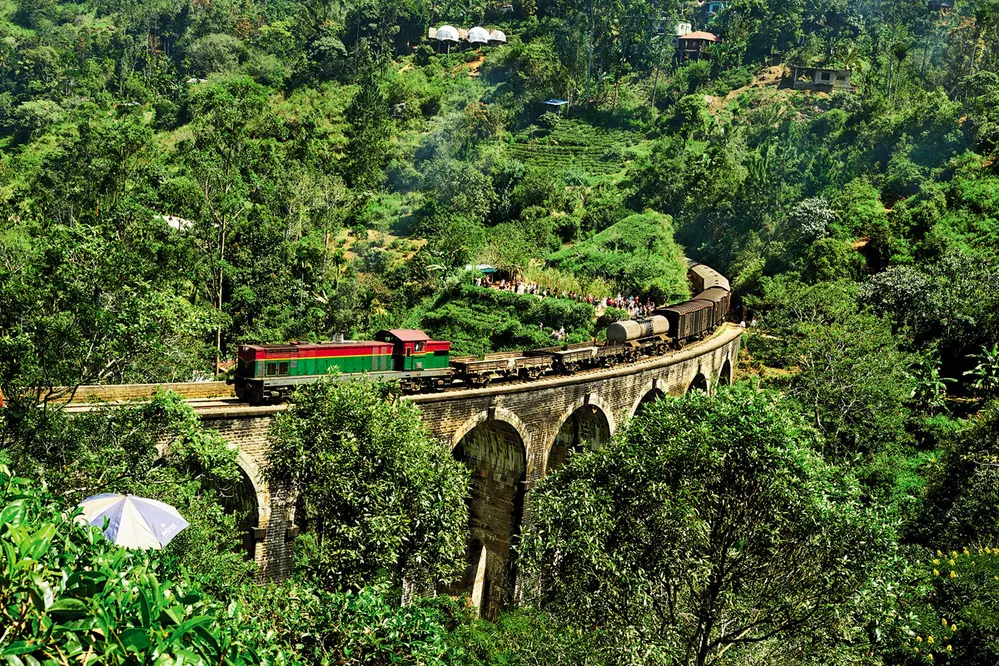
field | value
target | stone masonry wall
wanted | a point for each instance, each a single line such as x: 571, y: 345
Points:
x: 125, y: 392
x: 274, y: 531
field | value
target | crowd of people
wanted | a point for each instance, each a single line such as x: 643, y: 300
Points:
x: 635, y: 307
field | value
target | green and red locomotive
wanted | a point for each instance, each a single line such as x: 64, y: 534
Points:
x: 272, y: 372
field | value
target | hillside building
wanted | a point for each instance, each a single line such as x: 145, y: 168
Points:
x: 477, y: 36
x: 446, y: 36
x: 821, y: 79
x: 693, y: 46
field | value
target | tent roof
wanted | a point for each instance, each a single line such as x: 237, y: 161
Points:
x: 447, y: 33
x: 477, y: 35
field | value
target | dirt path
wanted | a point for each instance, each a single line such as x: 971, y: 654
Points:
x: 472, y: 67
x: 768, y: 78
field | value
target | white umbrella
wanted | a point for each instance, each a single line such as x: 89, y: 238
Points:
x: 133, y: 522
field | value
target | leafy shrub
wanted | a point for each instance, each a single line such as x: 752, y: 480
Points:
x: 376, y: 495
x: 810, y: 218
x: 362, y: 627
x: 947, y: 614
x: 478, y: 320
x: 68, y: 595
x: 731, y: 79
x: 215, y: 53
x: 638, y: 254
x: 610, y: 316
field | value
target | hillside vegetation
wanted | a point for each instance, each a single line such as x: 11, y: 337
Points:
x: 178, y: 177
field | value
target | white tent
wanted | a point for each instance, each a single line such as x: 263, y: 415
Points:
x: 477, y: 35
x: 447, y: 33
x: 497, y: 36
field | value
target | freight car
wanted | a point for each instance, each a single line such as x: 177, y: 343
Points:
x: 704, y: 277
x: 720, y: 300
x: 691, y: 320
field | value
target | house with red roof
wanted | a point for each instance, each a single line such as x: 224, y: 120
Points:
x: 693, y: 46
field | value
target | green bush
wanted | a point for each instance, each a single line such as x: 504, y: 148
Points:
x: 478, y: 320
x: 362, y: 627
x: 379, y: 499
x: 67, y: 595
x: 638, y: 254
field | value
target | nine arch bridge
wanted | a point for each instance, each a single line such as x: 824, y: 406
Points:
x: 509, y: 435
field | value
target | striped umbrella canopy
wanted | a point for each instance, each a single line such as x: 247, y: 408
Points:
x: 133, y: 522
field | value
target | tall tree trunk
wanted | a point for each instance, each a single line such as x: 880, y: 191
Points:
x: 891, y: 60
x: 589, y: 53
x: 218, y: 329
x: 659, y: 64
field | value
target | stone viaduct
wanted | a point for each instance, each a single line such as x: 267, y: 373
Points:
x: 509, y: 435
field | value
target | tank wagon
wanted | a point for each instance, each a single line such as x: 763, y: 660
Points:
x: 270, y: 373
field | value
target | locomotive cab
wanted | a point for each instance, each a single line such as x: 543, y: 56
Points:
x: 414, y: 351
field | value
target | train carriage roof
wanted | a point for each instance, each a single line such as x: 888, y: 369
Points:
x: 403, y: 335
x: 687, y: 307
x: 715, y: 294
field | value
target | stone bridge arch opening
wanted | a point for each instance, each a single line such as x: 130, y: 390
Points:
x: 240, y: 500
x: 699, y: 383
x: 246, y: 498
x: 586, y: 425
x: 496, y: 453
x: 651, y: 396
x: 725, y: 376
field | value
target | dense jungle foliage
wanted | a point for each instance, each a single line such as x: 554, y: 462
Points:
x: 178, y: 177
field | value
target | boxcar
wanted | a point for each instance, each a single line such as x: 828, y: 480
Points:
x: 704, y: 277
x: 689, y: 320
x: 720, y: 298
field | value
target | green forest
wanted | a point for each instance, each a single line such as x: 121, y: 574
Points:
x: 182, y: 177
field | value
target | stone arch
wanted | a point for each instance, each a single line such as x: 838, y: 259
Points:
x: 587, y: 420
x: 259, y: 486
x: 652, y: 396
x: 251, y: 502
x: 699, y: 383
x: 241, y: 501
x: 492, y: 414
x: 725, y: 374
x: 495, y: 450
x: 652, y: 391
x: 249, y: 498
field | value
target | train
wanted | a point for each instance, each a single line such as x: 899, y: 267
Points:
x: 268, y: 373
